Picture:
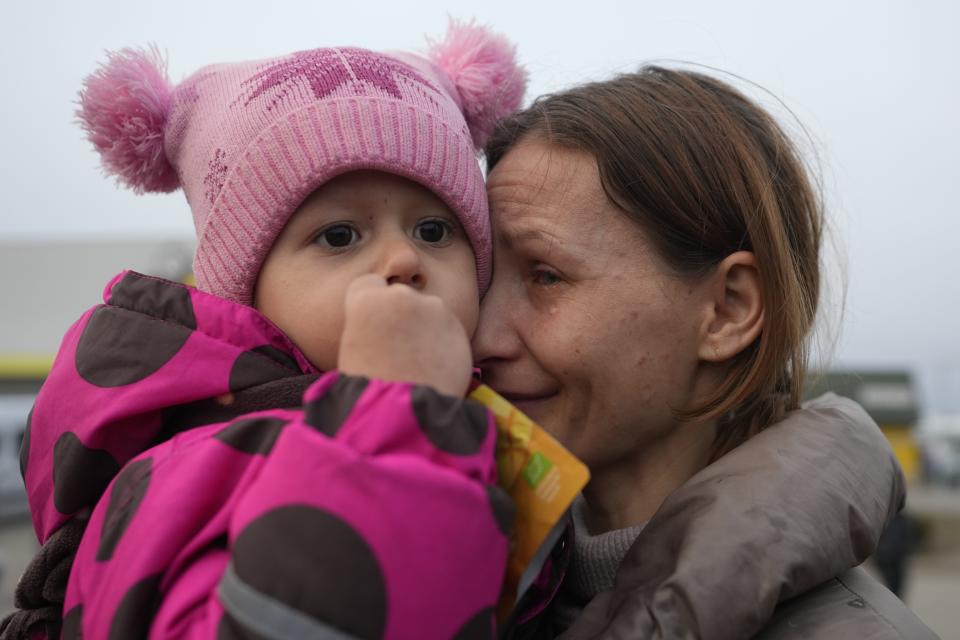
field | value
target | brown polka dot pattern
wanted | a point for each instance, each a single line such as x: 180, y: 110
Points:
x: 453, y: 425
x: 254, y: 435
x: 286, y: 393
x: 71, y: 629
x: 25, y: 446
x: 479, y: 627
x: 328, y: 412
x: 112, y: 352
x: 260, y: 365
x: 80, y: 474
x: 125, y: 498
x: 351, y: 596
x: 144, y: 294
x: 503, y: 508
x: 137, y: 610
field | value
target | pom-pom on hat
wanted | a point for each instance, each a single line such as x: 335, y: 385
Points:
x: 249, y: 141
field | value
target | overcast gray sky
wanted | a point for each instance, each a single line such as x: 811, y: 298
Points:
x: 875, y: 83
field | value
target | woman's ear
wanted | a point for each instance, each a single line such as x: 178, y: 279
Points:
x: 735, y: 316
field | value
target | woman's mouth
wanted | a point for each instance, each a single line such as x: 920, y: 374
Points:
x: 528, y: 403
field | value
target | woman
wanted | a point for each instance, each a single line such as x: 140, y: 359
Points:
x: 656, y: 280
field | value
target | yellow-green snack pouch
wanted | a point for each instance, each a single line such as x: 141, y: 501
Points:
x: 541, y: 476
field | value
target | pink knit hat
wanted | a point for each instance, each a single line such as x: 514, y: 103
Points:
x: 249, y: 141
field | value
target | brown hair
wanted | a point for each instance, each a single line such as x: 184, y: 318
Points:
x: 705, y: 172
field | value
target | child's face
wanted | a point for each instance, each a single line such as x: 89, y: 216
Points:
x: 359, y: 223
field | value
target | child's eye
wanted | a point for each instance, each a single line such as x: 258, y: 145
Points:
x: 434, y: 231
x: 338, y: 236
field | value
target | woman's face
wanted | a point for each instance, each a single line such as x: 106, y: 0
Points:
x: 583, y: 328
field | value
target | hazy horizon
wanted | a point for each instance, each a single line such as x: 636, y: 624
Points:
x: 874, y: 84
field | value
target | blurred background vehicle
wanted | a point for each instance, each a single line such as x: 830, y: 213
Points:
x: 940, y: 443
x: 15, y: 404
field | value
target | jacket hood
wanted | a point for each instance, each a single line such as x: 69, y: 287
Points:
x: 764, y: 523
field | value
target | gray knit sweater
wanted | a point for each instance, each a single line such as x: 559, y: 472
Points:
x: 593, y: 564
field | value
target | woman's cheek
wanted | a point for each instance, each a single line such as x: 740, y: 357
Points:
x: 564, y: 337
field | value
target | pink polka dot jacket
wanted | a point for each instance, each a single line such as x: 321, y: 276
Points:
x: 230, y: 491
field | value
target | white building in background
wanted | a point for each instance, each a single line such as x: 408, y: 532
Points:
x: 46, y: 286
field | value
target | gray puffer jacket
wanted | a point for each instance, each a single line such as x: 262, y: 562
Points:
x: 761, y: 544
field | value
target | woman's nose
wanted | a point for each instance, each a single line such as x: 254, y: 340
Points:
x: 496, y: 338
x: 400, y: 263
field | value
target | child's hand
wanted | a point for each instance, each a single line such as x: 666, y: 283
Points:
x: 395, y: 333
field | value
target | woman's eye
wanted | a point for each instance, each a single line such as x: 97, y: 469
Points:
x: 545, y: 277
x: 338, y: 236
x: 433, y: 231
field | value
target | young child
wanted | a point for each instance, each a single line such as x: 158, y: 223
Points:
x: 283, y: 451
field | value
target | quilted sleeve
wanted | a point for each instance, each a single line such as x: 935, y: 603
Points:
x: 372, y: 512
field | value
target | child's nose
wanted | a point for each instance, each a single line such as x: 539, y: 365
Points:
x: 401, y: 264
